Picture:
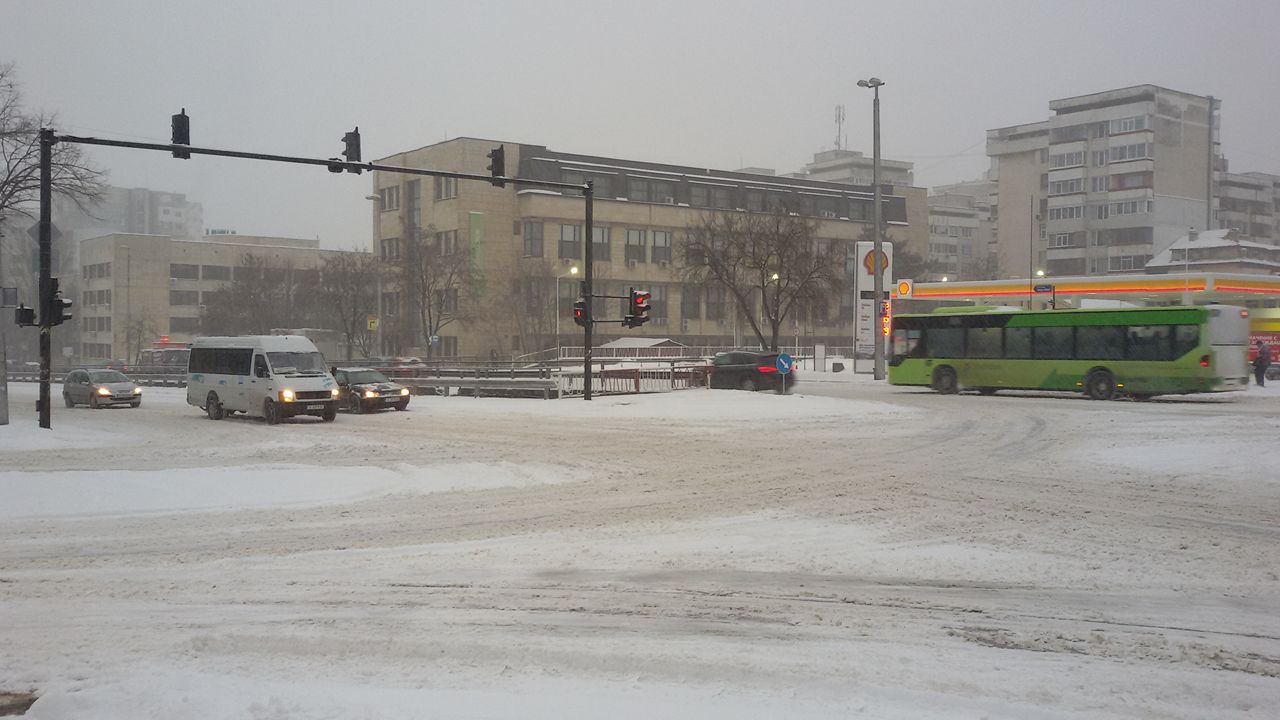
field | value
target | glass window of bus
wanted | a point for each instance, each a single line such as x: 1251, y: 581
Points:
x: 1100, y: 342
x: 1053, y: 343
x: 944, y: 342
x: 1148, y: 342
x: 1017, y: 343
x: 905, y: 342
x: 983, y: 342
x: 1185, y: 339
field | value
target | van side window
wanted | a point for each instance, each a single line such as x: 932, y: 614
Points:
x: 260, y: 366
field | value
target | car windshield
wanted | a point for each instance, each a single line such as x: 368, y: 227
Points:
x: 297, y: 363
x: 359, y: 377
x: 107, y: 376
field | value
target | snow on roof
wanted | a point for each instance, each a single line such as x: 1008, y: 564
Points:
x: 641, y: 343
x: 1208, y: 239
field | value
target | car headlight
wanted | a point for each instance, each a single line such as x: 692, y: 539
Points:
x: 334, y: 392
x: 137, y: 391
x: 370, y: 394
x: 286, y: 395
x: 404, y: 391
x: 104, y: 391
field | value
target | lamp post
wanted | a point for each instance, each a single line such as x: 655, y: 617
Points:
x: 377, y: 341
x: 876, y: 248
x: 573, y: 272
x: 128, y: 299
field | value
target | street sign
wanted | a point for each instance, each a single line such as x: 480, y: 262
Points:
x: 435, y: 339
x: 372, y: 322
x: 785, y: 363
x: 1043, y: 288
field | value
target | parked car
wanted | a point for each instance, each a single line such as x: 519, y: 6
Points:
x: 100, y: 388
x: 743, y: 370
x: 363, y: 389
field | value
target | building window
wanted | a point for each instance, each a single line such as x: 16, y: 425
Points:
x: 184, y: 297
x: 601, y: 187
x: 635, y: 246
x: 600, y: 244
x: 638, y: 189
x: 699, y: 196
x: 215, y: 272
x: 1127, y: 262
x: 1099, y: 158
x: 188, y: 325
x: 570, y: 241
x: 446, y: 188
x: 1135, y: 151
x: 1061, y: 240
x: 533, y: 239
x: 389, y: 198
x: 1132, y: 207
x: 1070, y: 212
x: 1130, y: 124
x: 1066, y: 159
x: 755, y: 200
x: 658, y: 304
x: 183, y: 271
x: 661, y: 246
x: 662, y: 191
x: 1100, y: 183
x: 715, y: 306
x: 391, y: 303
x: 390, y: 248
x: 690, y: 302
x: 447, y: 300
x: 446, y: 242
x: 1066, y: 187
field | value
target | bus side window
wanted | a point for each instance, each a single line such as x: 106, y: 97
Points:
x: 905, y: 343
x: 1147, y: 342
x: 1017, y: 343
x: 1185, y: 339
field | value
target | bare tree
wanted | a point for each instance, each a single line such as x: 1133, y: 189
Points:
x: 137, y: 332
x: 438, y: 279
x: 768, y: 262
x: 347, y: 293
x: 73, y: 176
x: 263, y: 296
x: 530, y: 305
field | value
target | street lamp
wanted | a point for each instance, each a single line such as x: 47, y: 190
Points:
x: 378, y: 276
x: 573, y: 271
x: 1039, y: 273
x: 128, y: 300
x: 876, y: 248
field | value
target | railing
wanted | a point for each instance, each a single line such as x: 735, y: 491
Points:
x: 631, y: 381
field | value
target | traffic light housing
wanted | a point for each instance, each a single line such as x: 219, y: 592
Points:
x: 581, y: 313
x: 351, y: 148
x: 24, y: 316
x: 57, y: 309
x: 498, y: 165
x: 181, y: 134
x: 637, y: 314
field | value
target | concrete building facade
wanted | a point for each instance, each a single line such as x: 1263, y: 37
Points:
x: 1247, y: 203
x: 853, y: 168
x: 1108, y: 181
x: 135, y: 287
x: 524, y: 243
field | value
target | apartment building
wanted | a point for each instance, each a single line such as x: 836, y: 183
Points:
x: 1106, y: 182
x: 853, y: 168
x: 1217, y: 251
x: 1247, y: 203
x: 135, y: 287
x: 525, y: 242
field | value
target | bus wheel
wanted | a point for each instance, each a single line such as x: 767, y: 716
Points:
x: 213, y: 407
x: 944, y: 380
x: 1100, y: 385
x: 270, y: 413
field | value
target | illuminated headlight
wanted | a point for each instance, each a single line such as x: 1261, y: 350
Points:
x: 286, y: 395
x: 370, y: 394
x: 404, y: 391
x: 137, y: 391
x: 104, y: 391
x: 334, y: 392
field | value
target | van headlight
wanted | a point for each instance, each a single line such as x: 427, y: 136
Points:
x: 104, y: 391
x: 404, y: 391
x: 334, y: 392
x: 286, y: 395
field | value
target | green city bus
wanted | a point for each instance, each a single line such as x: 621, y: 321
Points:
x: 1138, y: 352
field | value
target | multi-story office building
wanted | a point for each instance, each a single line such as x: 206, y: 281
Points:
x: 135, y: 288
x: 960, y: 233
x: 524, y: 242
x: 1108, y: 181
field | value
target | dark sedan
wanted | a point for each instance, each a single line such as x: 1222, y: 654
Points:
x: 749, y: 371
x: 365, y: 389
x: 100, y: 388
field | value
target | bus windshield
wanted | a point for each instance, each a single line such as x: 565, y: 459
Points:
x: 297, y: 363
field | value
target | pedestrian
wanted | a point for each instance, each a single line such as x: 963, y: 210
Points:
x: 1261, y: 363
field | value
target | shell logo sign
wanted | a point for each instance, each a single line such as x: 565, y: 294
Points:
x: 867, y: 261
x: 905, y: 288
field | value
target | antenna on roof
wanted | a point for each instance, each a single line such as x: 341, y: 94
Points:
x: 839, y: 125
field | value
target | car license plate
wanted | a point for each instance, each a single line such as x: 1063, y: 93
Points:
x: 315, y: 407
x: 389, y: 399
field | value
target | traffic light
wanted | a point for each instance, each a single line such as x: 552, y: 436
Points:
x: 181, y: 134
x: 581, y: 314
x: 498, y: 165
x: 57, y: 309
x: 351, y: 149
x: 638, y: 313
x: 24, y: 316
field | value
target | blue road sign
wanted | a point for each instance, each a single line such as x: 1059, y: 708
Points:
x: 785, y: 363
x: 1044, y: 288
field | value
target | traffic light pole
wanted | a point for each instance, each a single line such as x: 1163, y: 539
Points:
x: 589, y: 194
x: 46, y: 272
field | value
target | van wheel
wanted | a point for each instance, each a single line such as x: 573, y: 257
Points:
x: 270, y: 413
x: 330, y: 412
x: 67, y: 399
x: 1100, y: 385
x: 213, y: 407
x: 944, y: 380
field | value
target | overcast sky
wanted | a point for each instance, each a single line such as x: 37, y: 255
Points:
x: 709, y: 84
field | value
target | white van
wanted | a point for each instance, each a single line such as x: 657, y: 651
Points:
x: 268, y: 376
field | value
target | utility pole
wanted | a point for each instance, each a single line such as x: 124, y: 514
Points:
x: 589, y: 193
x: 46, y: 272
x: 1208, y: 212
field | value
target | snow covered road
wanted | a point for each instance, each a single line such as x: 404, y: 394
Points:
x: 850, y: 548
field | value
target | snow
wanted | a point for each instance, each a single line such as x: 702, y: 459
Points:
x: 851, y: 549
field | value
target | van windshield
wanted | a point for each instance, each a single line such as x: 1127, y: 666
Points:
x: 297, y: 363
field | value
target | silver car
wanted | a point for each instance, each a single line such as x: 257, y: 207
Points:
x: 100, y: 388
